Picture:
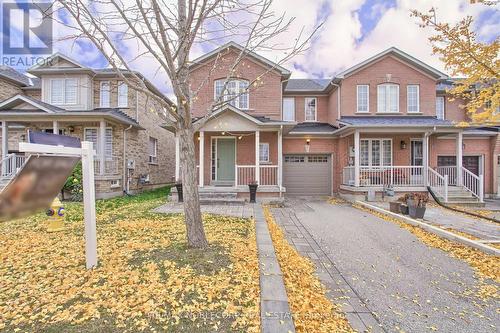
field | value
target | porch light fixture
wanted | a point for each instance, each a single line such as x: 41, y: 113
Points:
x: 240, y: 137
x: 403, y: 144
x: 223, y: 133
x: 71, y: 129
x: 308, y: 145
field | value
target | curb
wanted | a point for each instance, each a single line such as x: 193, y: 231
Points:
x: 275, y: 314
x: 435, y: 230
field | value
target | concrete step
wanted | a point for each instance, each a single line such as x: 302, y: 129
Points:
x: 218, y: 195
x: 222, y: 201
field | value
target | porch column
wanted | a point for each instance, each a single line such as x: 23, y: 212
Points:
x: 202, y: 157
x: 5, y: 144
x: 177, y: 158
x: 55, y: 127
x: 257, y: 157
x: 280, y: 158
x: 356, y: 158
x: 459, y: 154
x: 425, y: 153
x: 102, y: 146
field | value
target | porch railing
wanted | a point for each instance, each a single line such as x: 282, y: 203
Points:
x: 408, y: 176
x: 245, y: 174
x: 111, y: 166
x: 473, y: 183
x: 450, y: 171
x: 438, y: 183
x: 11, y: 164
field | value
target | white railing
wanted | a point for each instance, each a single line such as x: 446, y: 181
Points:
x: 244, y: 174
x: 407, y: 176
x: 450, y: 171
x: 111, y: 166
x: 473, y: 183
x: 268, y: 175
x: 11, y: 164
x: 438, y: 183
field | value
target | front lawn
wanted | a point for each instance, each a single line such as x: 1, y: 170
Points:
x: 147, y: 280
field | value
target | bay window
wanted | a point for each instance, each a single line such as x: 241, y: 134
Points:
x: 413, y: 104
x: 362, y: 93
x: 92, y: 134
x: 375, y: 152
x: 122, y: 95
x: 105, y: 95
x: 388, y: 98
x: 63, y: 91
x: 310, y: 108
x: 236, y: 92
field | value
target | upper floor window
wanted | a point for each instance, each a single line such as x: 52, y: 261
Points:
x: 289, y: 109
x: 264, y: 152
x: 105, y: 95
x: 310, y: 109
x: 153, y: 150
x: 236, y: 92
x: 440, y: 107
x: 388, y: 98
x: 362, y: 92
x: 63, y: 91
x: 413, y: 97
x: 122, y: 95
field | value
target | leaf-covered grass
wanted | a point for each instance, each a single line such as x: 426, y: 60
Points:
x: 146, y: 280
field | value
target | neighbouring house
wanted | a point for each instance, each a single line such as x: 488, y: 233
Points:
x: 61, y: 96
x: 386, y: 121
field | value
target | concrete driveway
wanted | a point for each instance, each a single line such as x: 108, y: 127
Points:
x: 375, y: 267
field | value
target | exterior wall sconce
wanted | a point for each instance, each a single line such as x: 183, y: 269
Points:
x: 403, y: 145
x: 223, y: 133
x: 71, y: 129
x: 308, y: 145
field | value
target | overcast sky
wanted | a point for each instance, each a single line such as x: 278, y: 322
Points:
x: 353, y: 30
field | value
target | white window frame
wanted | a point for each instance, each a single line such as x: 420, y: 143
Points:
x: 387, y: 87
x: 283, y: 108
x: 121, y: 103
x: 266, y: 144
x: 440, y: 98
x: 367, y: 98
x: 237, y: 99
x: 108, y: 157
x: 153, y: 159
x: 315, y: 109
x: 408, y: 98
x: 115, y: 183
x: 381, y: 152
x: 64, y: 82
x: 101, y: 91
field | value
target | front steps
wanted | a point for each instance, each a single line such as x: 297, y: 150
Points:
x: 4, y: 182
x: 458, y: 195
x: 220, y: 196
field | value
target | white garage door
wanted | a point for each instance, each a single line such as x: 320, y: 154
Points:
x: 307, y: 174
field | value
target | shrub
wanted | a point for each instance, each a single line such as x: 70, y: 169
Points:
x: 74, y: 183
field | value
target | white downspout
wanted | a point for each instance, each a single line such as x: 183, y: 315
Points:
x: 125, y: 183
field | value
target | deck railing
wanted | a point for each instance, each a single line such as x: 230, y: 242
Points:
x: 438, y: 183
x: 473, y: 183
x: 450, y: 171
x: 405, y: 176
x: 245, y: 174
x: 11, y: 164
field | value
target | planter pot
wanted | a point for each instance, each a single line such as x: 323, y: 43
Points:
x: 180, y: 198
x: 395, y: 207
x: 417, y: 212
x: 411, y: 202
x: 403, y: 209
x: 253, y: 192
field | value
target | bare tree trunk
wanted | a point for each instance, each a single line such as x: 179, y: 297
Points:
x: 194, y: 225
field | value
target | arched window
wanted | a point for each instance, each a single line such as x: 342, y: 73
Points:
x: 236, y: 92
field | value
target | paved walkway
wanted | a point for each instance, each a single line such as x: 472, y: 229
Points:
x: 244, y: 211
x: 383, y: 273
x: 483, y: 229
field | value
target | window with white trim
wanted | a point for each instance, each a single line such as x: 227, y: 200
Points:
x: 92, y: 135
x: 310, y: 104
x: 387, y: 98
x: 362, y: 93
x: 440, y: 107
x: 105, y: 96
x: 264, y: 152
x: 63, y: 91
x: 236, y: 92
x: 122, y: 95
x: 289, y: 109
x: 412, y: 98
x: 153, y: 150
x: 375, y: 152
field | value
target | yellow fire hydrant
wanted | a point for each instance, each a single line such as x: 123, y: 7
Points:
x: 56, y: 216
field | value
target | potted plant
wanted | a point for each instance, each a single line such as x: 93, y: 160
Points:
x: 403, y: 207
x: 395, y: 206
x: 178, y: 186
x: 252, y: 186
x: 418, y: 205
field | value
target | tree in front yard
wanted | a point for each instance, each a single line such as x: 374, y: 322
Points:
x: 166, y: 32
x: 475, y: 62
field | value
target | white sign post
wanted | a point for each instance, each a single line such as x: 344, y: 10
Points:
x: 86, y: 153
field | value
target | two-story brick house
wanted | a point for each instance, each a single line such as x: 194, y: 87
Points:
x: 134, y: 152
x: 386, y: 121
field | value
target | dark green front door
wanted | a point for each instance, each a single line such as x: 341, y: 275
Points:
x: 225, y: 159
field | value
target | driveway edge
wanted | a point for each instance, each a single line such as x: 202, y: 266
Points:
x: 435, y: 230
x: 275, y: 314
